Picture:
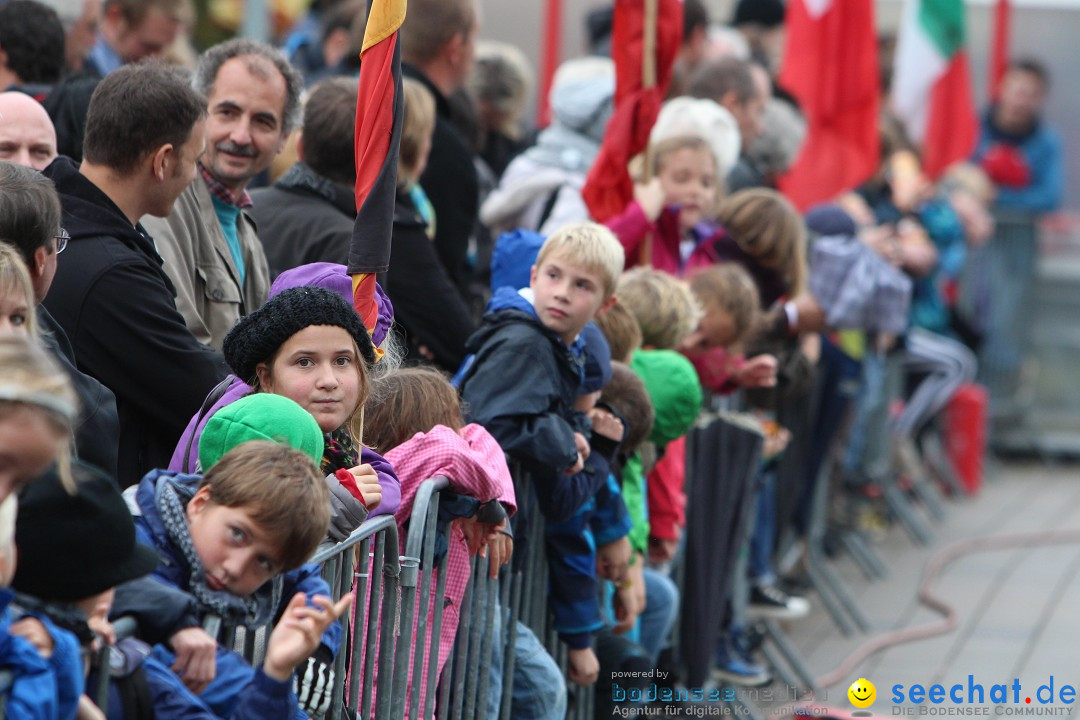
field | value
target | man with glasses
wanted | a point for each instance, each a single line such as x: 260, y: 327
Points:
x: 144, y: 132
x: 29, y: 221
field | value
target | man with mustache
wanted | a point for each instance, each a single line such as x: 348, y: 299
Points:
x: 208, y: 242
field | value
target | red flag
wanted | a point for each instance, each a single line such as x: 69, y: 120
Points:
x: 379, y: 112
x: 608, y: 187
x: 830, y: 66
x: 549, y: 59
x: 999, y: 51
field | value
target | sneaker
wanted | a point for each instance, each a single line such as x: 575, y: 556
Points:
x: 736, y: 671
x: 770, y: 602
x: 733, y: 667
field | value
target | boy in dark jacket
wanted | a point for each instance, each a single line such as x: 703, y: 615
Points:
x: 232, y: 544
x: 76, y: 547
x: 529, y: 368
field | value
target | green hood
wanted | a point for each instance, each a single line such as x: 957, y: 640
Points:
x: 673, y: 387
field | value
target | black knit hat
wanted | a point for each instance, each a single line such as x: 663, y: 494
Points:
x: 256, y: 337
x: 72, y: 547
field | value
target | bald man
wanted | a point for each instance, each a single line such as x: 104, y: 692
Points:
x: 27, y: 135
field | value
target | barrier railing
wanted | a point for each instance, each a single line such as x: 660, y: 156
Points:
x: 374, y: 615
x: 997, y: 289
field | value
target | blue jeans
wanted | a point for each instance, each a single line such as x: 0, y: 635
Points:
x: 763, y: 535
x: 658, y: 617
x: 869, y: 407
x: 539, y: 691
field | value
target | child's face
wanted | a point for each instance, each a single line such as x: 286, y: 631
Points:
x: 29, y: 443
x: 14, y: 311
x: 567, y: 297
x: 688, y: 176
x: 715, y: 329
x: 317, y: 368
x: 238, y: 554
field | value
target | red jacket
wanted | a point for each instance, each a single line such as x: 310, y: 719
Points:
x: 631, y: 227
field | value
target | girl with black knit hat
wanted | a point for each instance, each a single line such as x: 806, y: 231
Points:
x: 309, y: 345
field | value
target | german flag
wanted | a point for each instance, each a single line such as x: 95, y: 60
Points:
x: 377, y: 141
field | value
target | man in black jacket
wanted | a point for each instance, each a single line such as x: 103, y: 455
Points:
x: 144, y: 132
x: 437, y: 48
x: 296, y: 219
x: 308, y: 216
x: 30, y: 221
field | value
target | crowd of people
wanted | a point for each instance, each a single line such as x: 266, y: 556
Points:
x: 191, y: 406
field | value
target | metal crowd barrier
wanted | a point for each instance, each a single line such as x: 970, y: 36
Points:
x: 997, y: 290
x: 376, y: 576
x: 522, y: 596
x: 370, y: 552
x: 124, y: 627
x: 6, y: 680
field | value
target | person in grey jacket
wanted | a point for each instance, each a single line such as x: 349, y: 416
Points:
x: 208, y: 242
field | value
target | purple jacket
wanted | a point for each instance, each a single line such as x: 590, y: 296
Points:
x: 331, y: 276
x: 189, y: 446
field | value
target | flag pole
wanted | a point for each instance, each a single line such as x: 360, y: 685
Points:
x: 648, y: 80
x: 999, y: 49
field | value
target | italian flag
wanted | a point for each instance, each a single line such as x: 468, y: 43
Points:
x: 931, y: 91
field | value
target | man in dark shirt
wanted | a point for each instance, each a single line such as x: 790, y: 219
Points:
x: 144, y: 132
x: 437, y: 48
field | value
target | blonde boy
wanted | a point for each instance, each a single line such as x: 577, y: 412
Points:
x: 663, y: 305
x: 528, y: 371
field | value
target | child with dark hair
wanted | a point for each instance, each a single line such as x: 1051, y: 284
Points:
x: 233, y: 545
x: 75, y: 548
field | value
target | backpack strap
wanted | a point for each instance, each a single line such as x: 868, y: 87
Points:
x: 216, y: 394
x: 549, y: 207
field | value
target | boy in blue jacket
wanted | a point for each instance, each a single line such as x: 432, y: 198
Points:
x: 528, y: 372
x: 74, y: 548
x: 232, y: 547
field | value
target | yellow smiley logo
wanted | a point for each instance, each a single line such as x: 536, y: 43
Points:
x: 862, y: 693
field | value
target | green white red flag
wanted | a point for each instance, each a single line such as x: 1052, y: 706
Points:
x: 931, y: 88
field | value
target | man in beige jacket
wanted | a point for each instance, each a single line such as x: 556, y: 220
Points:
x: 209, y: 243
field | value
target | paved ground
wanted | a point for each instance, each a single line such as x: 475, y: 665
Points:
x: 1016, y: 611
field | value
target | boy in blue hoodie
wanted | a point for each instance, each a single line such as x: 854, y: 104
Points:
x: 529, y: 369
x: 232, y: 544
x: 74, y: 548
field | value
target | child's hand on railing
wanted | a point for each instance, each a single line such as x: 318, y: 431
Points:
x: 500, y: 549
x: 87, y: 710
x: 98, y: 620
x: 630, y: 598
x: 582, y: 455
x: 613, y: 559
x: 583, y: 665
x: 196, y: 657
x: 34, y: 632
x: 758, y: 371
x: 478, y: 534
x: 606, y: 424
x: 299, y: 631
x: 662, y: 550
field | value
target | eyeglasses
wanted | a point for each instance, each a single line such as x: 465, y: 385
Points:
x: 61, y: 240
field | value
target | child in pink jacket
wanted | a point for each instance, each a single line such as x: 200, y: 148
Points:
x: 414, y: 418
